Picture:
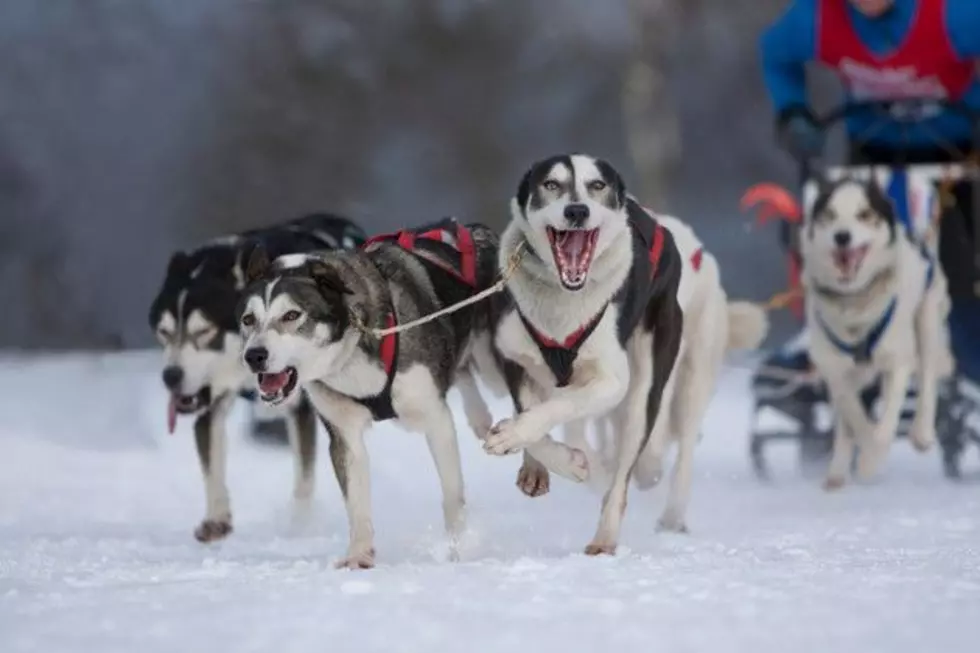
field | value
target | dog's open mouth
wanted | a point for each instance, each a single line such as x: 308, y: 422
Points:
x: 186, y: 405
x: 848, y: 260
x: 276, y: 388
x: 573, y: 250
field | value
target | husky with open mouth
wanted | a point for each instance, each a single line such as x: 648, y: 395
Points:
x: 193, y: 317
x: 590, y: 321
x: 877, y: 304
x: 310, y: 322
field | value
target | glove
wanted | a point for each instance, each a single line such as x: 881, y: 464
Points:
x: 798, y: 132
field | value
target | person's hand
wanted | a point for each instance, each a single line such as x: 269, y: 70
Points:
x: 799, y: 134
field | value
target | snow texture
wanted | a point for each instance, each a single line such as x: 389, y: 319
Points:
x: 97, y: 505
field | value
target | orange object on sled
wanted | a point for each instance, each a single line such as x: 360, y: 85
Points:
x: 775, y: 203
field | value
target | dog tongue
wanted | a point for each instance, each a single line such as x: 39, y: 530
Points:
x: 574, y: 247
x: 273, y: 383
x: 172, y: 415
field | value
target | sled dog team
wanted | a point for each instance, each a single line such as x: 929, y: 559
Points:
x: 588, y: 309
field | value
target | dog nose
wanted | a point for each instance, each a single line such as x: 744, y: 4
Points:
x: 256, y: 357
x: 172, y: 376
x: 577, y: 214
x: 842, y: 238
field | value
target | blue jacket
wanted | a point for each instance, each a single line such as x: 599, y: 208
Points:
x: 791, y: 42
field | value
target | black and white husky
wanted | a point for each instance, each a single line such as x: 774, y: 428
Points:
x: 591, y: 321
x: 193, y: 317
x: 311, y: 322
x: 876, y: 305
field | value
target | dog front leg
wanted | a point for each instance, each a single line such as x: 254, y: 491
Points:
x: 301, y: 426
x: 667, y: 333
x: 440, y: 435
x: 474, y: 407
x: 346, y: 423
x: 845, y: 434
x: 595, y: 392
x: 874, y: 450
x: 209, y: 436
x: 545, y: 454
x: 930, y: 351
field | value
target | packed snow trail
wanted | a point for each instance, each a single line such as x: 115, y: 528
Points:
x: 97, y: 506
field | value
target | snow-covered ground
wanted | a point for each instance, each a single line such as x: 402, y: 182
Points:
x: 97, y: 506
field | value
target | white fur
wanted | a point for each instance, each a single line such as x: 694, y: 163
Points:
x: 915, y: 343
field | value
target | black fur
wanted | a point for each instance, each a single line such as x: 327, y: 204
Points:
x: 207, y: 273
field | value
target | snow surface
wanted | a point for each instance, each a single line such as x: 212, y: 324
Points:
x: 97, y: 505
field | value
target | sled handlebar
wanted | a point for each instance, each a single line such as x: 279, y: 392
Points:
x: 902, y: 111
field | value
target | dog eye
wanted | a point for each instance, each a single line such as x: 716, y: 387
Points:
x: 248, y: 320
x: 290, y: 316
x: 202, y: 335
x: 866, y: 215
x: 597, y: 185
x: 165, y: 335
x: 550, y: 184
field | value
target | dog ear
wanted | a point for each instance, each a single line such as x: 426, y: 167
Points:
x: 179, y: 265
x: 327, y: 279
x: 258, y: 264
x: 819, y: 177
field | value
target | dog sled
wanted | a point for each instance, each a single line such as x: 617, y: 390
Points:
x: 791, y: 404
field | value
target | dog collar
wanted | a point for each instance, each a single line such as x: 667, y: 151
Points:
x: 861, y: 351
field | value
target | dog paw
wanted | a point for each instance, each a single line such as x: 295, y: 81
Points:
x: 533, y: 479
x: 211, y: 530
x: 504, y: 438
x: 922, y: 437
x: 600, y: 548
x: 832, y: 483
x: 357, y: 560
x: 670, y: 523
x: 868, y: 461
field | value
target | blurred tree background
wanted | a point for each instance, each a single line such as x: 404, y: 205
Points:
x: 129, y: 128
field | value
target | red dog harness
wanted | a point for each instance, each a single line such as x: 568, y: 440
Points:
x: 447, y: 245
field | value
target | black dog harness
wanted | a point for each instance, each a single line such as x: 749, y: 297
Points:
x: 448, y: 245
x: 648, y: 246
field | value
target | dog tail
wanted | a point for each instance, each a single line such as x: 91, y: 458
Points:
x: 748, y: 325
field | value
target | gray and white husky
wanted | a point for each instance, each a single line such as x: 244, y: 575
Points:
x: 193, y: 317
x: 590, y: 322
x: 308, y: 323
x: 876, y: 306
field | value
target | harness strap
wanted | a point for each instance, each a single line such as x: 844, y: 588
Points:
x: 380, y: 404
x: 448, y: 232
x: 656, y: 249
x: 696, y: 259
x: 560, y: 356
x: 862, y: 351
